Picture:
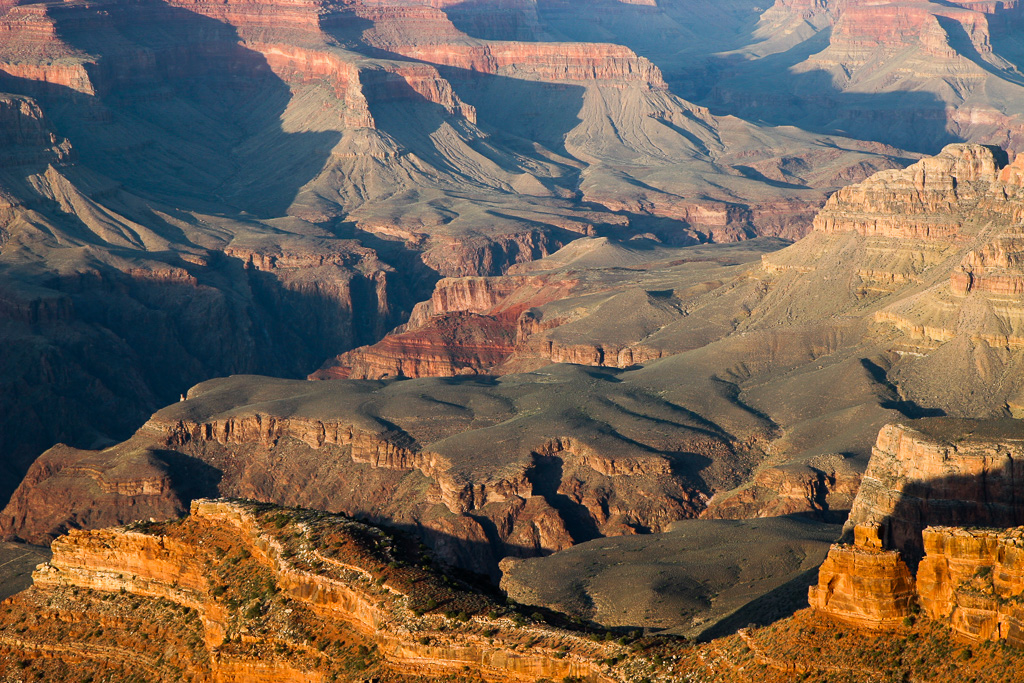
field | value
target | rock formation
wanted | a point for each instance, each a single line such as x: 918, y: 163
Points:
x: 419, y: 456
x: 910, y: 243
x: 940, y: 471
x: 971, y: 579
x: 926, y: 491
x: 826, y: 485
x: 246, y: 592
x: 863, y: 584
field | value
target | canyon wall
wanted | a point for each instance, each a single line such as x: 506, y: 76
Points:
x: 940, y: 472
x: 426, y: 468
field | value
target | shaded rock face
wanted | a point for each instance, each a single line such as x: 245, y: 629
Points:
x: 247, y: 592
x: 919, y: 74
x: 941, y: 472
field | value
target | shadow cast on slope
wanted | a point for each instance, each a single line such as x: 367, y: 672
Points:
x: 770, y: 92
x: 773, y: 606
x: 993, y: 499
x: 182, y: 110
x: 95, y: 354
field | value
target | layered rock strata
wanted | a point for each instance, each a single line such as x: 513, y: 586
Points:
x: 862, y: 584
x: 941, y: 471
x: 425, y: 459
x: 241, y: 591
x: 928, y: 256
x: 970, y: 579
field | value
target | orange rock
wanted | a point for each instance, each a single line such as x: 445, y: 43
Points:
x: 864, y: 585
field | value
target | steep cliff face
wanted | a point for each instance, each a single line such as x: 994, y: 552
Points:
x: 972, y: 580
x: 251, y: 592
x: 925, y: 491
x: 941, y: 472
x: 469, y: 326
x: 927, y: 254
x: 26, y: 136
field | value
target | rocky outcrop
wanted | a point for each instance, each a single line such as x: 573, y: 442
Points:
x: 825, y: 488
x: 443, y: 347
x: 863, y: 584
x: 866, y: 29
x: 469, y: 326
x: 941, y: 471
x: 970, y: 579
x: 26, y: 137
x: 929, y: 255
x: 142, y: 484
x: 973, y: 579
x: 925, y: 201
x: 274, y: 594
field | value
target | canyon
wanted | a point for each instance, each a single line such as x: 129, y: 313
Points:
x: 144, y: 187
x: 511, y: 340
x: 711, y: 394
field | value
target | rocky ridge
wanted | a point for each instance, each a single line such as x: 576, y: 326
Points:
x: 399, y: 453
x: 253, y: 592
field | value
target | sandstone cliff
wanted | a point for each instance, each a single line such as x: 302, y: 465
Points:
x: 863, y: 584
x: 940, y: 472
x: 925, y: 491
